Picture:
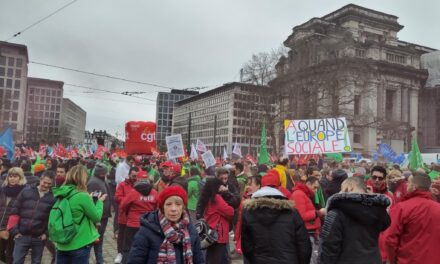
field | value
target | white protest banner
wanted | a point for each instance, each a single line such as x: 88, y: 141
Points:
x: 237, y: 150
x: 208, y: 159
x: 175, y: 146
x: 225, y: 154
x: 200, y: 146
x: 316, y: 136
x: 193, y: 154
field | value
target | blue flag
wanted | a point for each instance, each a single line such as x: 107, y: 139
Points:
x: 7, y: 141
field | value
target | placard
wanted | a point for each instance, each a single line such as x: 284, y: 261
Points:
x: 208, y: 159
x: 175, y: 146
x: 316, y: 136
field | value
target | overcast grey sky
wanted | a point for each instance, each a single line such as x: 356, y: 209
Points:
x: 181, y: 43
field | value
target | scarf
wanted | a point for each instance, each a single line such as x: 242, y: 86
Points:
x: 175, y: 233
x: 13, y: 191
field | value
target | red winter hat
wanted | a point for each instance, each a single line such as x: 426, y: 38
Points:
x: 272, y: 178
x: 171, y: 191
x: 142, y: 174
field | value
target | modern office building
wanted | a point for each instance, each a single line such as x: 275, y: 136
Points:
x: 13, y: 83
x: 232, y: 113
x: 73, y: 122
x: 43, y: 110
x: 164, y: 113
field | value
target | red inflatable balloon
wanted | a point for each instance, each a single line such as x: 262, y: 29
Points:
x: 140, y: 137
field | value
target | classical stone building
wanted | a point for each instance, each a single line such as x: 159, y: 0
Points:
x: 350, y: 63
x: 233, y: 113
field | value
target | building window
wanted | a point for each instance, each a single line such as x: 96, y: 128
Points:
x: 17, y: 84
x: 19, y: 63
x: 360, y: 53
x: 357, y: 104
x: 2, y: 71
x: 389, y: 104
x: 9, y: 83
x: 357, y: 138
x: 2, y: 60
x: 2, y: 81
x: 10, y: 72
x: 396, y: 58
x: 11, y: 61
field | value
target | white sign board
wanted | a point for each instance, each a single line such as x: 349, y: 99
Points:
x: 208, y: 159
x: 175, y: 146
x: 316, y: 136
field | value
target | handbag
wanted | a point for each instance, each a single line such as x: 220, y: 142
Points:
x: 207, y: 235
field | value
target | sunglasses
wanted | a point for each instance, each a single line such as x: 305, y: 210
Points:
x: 377, y: 178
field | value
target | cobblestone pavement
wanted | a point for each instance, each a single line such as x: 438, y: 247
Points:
x: 109, y: 249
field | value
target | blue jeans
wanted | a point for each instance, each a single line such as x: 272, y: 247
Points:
x: 78, y: 256
x: 97, y: 247
x: 22, y: 246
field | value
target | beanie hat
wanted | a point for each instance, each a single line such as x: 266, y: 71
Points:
x: 39, y: 168
x: 174, y: 167
x: 171, y: 191
x: 339, y: 174
x: 100, y: 169
x: 142, y: 174
x: 272, y: 178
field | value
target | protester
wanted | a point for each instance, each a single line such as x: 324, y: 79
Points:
x: 272, y: 230
x: 282, y: 169
x: 122, y: 191
x: 303, y: 195
x: 140, y: 200
x: 352, y: 226
x: 193, y: 191
x: 171, y: 176
x: 27, y: 170
x: 85, y: 211
x: 414, y: 234
x: 98, y: 185
x: 11, y: 187
x: 123, y: 169
x: 32, y: 208
x: 397, y: 185
x: 62, y: 169
x: 240, y: 176
x: 167, y: 235
x: 336, y: 179
x: 217, y: 214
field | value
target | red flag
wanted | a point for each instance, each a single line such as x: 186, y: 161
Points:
x: 99, y: 153
x: 251, y: 159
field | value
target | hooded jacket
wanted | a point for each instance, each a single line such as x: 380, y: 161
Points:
x: 414, y: 234
x: 33, y: 211
x: 122, y: 190
x: 193, y: 192
x: 85, y: 213
x: 352, y: 227
x: 98, y: 184
x: 272, y: 231
x: 149, y: 238
x: 140, y: 200
x: 303, y: 198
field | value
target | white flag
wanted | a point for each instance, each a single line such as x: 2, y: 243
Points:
x: 225, y: 154
x: 237, y: 150
x: 193, y: 154
x: 201, y: 146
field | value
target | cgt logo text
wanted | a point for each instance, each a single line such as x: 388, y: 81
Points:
x: 149, y: 137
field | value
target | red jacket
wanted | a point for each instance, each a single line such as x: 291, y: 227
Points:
x: 414, y: 234
x: 136, y: 204
x: 122, y: 190
x: 217, y: 215
x: 302, y: 196
x: 400, y: 191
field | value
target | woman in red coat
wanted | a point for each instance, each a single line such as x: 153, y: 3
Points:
x: 217, y: 214
x: 142, y: 199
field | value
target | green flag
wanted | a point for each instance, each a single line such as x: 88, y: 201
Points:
x: 433, y: 175
x: 335, y: 156
x: 264, y: 156
x: 415, y: 158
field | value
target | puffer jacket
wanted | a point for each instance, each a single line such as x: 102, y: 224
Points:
x: 351, y: 229
x: 149, y: 238
x: 33, y: 212
x: 11, y: 193
x: 273, y: 232
x: 302, y: 196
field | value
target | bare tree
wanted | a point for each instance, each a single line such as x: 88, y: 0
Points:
x: 260, y: 69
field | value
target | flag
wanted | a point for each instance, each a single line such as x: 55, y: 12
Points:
x: 415, y: 158
x: 251, y: 159
x: 201, y: 146
x: 237, y: 150
x: 193, y: 154
x: 335, y: 156
x: 7, y: 141
x: 225, y: 154
x: 264, y: 155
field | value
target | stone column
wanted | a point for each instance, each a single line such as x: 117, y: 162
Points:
x: 414, y: 108
x: 405, y: 104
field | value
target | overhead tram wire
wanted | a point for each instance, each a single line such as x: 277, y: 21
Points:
x: 102, y: 75
x: 41, y: 20
x: 108, y: 91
